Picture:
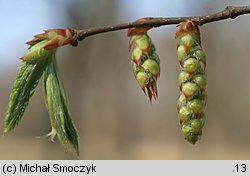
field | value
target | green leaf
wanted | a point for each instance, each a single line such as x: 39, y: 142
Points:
x: 60, y: 118
x: 24, y: 87
x: 30, y: 71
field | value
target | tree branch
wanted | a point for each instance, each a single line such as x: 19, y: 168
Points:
x: 228, y: 12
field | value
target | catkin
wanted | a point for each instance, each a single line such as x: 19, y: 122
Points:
x: 192, y: 80
x: 145, y: 63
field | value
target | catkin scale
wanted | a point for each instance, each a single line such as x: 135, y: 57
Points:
x: 192, y: 80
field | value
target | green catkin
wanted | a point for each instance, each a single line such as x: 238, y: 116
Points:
x: 191, y: 80
x: 145, y: 63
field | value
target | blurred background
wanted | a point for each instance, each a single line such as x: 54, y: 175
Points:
x: 114, y: 118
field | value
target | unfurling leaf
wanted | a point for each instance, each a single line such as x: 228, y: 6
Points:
x: 39, y: 59
x: 145, y: 61
x: 191, y: 80
x: 60, y: 118
x: 26, y: 81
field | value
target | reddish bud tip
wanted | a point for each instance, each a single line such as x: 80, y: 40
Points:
x: 187, y: 26
x: 32, y: 42
x: 42, y: 36
x: 52, y: 44
x: 55, y: 37
x: 61, y: 32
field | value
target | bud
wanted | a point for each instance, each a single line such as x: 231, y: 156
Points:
x: 187, y: 40
x: 182, y: 51
x: 196, y: 125
x: 55, y: 38
x: 201, y: 81
x: 154, y: 56
x: 181, y: 101
x: 137, y: 55
x: 182, y: 78
x: 192, y: 137
x: 151, y: 66
x: 184, y: 113
x: 142, y: 79
x: 143, y: 42
x: 190, y: 89
x: 186, y: 130
x: 196, y: 106
x: 191, y: 65
x: 202, y: 119
x: 201, y: 56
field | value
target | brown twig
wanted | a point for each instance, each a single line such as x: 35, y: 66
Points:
x: 228, y: 12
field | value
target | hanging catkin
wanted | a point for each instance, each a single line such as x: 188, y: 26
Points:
x: 144, y: 59
x: 191, y: 80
